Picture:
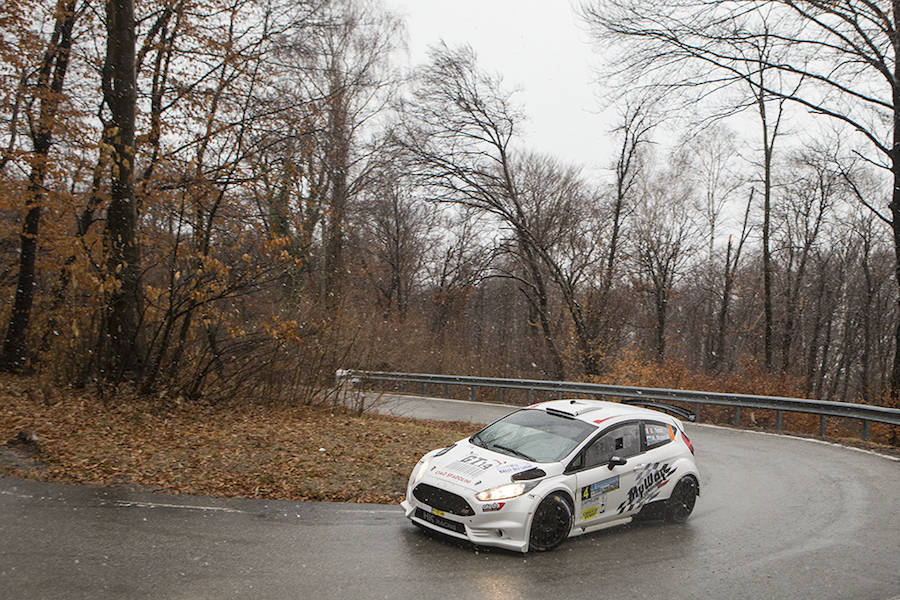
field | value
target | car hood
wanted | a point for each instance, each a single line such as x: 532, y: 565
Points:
x: 475, y: 468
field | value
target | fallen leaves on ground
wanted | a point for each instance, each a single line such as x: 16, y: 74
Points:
x: 244, y: 448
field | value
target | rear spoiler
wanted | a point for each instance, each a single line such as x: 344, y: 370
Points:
x: 678, y: 411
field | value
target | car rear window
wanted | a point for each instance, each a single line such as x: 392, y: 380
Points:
x: 657, y: 434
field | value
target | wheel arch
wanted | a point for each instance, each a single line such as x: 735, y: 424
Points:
x: 559, y: 490
x: 566, y: 495
x: 695, y: 478
x: 686, y: 468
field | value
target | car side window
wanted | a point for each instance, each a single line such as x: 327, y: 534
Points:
x: 623, y: 441
x: 657, y: 434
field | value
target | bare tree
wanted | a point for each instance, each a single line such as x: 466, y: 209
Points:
x: 458, y: 264
x: 686, y: 48
x: 731, y: 265
x: 708, y: 159
x: 397, y: 227
x: 807, y: 201
x: 845, y: 53
x: 459, y: 134
x: 637, y: 122
x: 664, y: 230
x: 348, y: 67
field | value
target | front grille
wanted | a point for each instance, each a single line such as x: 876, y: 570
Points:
x: 443, y: 500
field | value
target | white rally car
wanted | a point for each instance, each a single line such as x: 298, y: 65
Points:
x: 555, y: 470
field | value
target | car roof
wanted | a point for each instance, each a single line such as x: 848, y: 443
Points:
x: 599, y: 411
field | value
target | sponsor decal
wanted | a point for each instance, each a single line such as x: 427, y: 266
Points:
x: 513, y: 468
x: 593, y: 497
x: 477, y: 461
x: 647, y: 485
x: 467, y: 469
x: 493, y: 506
x: 601, y: 487
x: 472, y: 467
x: 439, y: 513
x: 590, y: 513
x: 453, y: 476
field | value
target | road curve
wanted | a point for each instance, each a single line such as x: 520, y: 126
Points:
x: 778, y: 517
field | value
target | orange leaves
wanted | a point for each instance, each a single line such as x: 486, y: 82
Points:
x: 246, y: 449
x: 287, y: 330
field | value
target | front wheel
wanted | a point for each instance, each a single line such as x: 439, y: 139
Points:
x: 551, y: 523
x: 681, y: 503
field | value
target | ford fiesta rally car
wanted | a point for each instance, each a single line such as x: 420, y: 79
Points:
x: 554, y: 470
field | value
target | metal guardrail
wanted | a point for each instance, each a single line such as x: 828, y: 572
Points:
x: 865, y: 413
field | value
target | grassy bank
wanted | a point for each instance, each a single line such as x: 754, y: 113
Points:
x: 250, y: 448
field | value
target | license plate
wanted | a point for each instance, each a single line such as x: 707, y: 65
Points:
x: 440, y: 521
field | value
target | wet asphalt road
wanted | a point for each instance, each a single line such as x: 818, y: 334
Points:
x: 777, y: 518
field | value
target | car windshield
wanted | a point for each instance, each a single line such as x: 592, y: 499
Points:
x: 534, y: 435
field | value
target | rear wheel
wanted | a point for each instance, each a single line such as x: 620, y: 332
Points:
x: 551, y: 523
x: 681, y: 503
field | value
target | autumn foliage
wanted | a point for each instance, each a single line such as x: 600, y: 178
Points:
x: 291, y: 204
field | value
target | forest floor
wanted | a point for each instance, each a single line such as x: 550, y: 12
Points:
x: 249, y: 449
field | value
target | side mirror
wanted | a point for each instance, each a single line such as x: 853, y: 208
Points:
x: 616, y: 461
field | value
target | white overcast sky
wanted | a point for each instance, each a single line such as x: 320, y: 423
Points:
x: 541, y: 48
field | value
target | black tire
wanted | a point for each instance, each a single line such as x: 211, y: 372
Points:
x: 551, y: 523
x: 681, y: 503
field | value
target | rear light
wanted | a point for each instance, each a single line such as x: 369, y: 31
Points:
x: 687, y: 441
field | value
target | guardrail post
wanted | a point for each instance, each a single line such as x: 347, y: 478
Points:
x: 777, y: 420
x: 500, y: 395
x: 865, y: 433
x: 446, y: 391
x: 424, y: 388
x: 737, y: 416
x: 400, y: 387
x: 696, y: 412
x: 528, y: 396
x: 821, y: 426
x: 472, y: 395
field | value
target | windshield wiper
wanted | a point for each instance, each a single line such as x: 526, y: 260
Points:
x: 514, y: 451
x: 477, y: 438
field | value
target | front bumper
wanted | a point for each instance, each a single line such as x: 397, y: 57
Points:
x: 504, y: 528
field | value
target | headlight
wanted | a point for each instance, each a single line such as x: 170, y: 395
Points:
x: 423, y: 466
x: 504, y: 492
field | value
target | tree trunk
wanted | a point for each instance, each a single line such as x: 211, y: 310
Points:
x: 895, y: 205
x: 120, y: 239
x: 541, y: 305
x: 338, y: 156
x: 49, y: 89
x: 814, y: 337
x: 767, y: 256
x: 823, y: 365
x: 895, y: 215
x: 662, y: 303
x: 719, y: 348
